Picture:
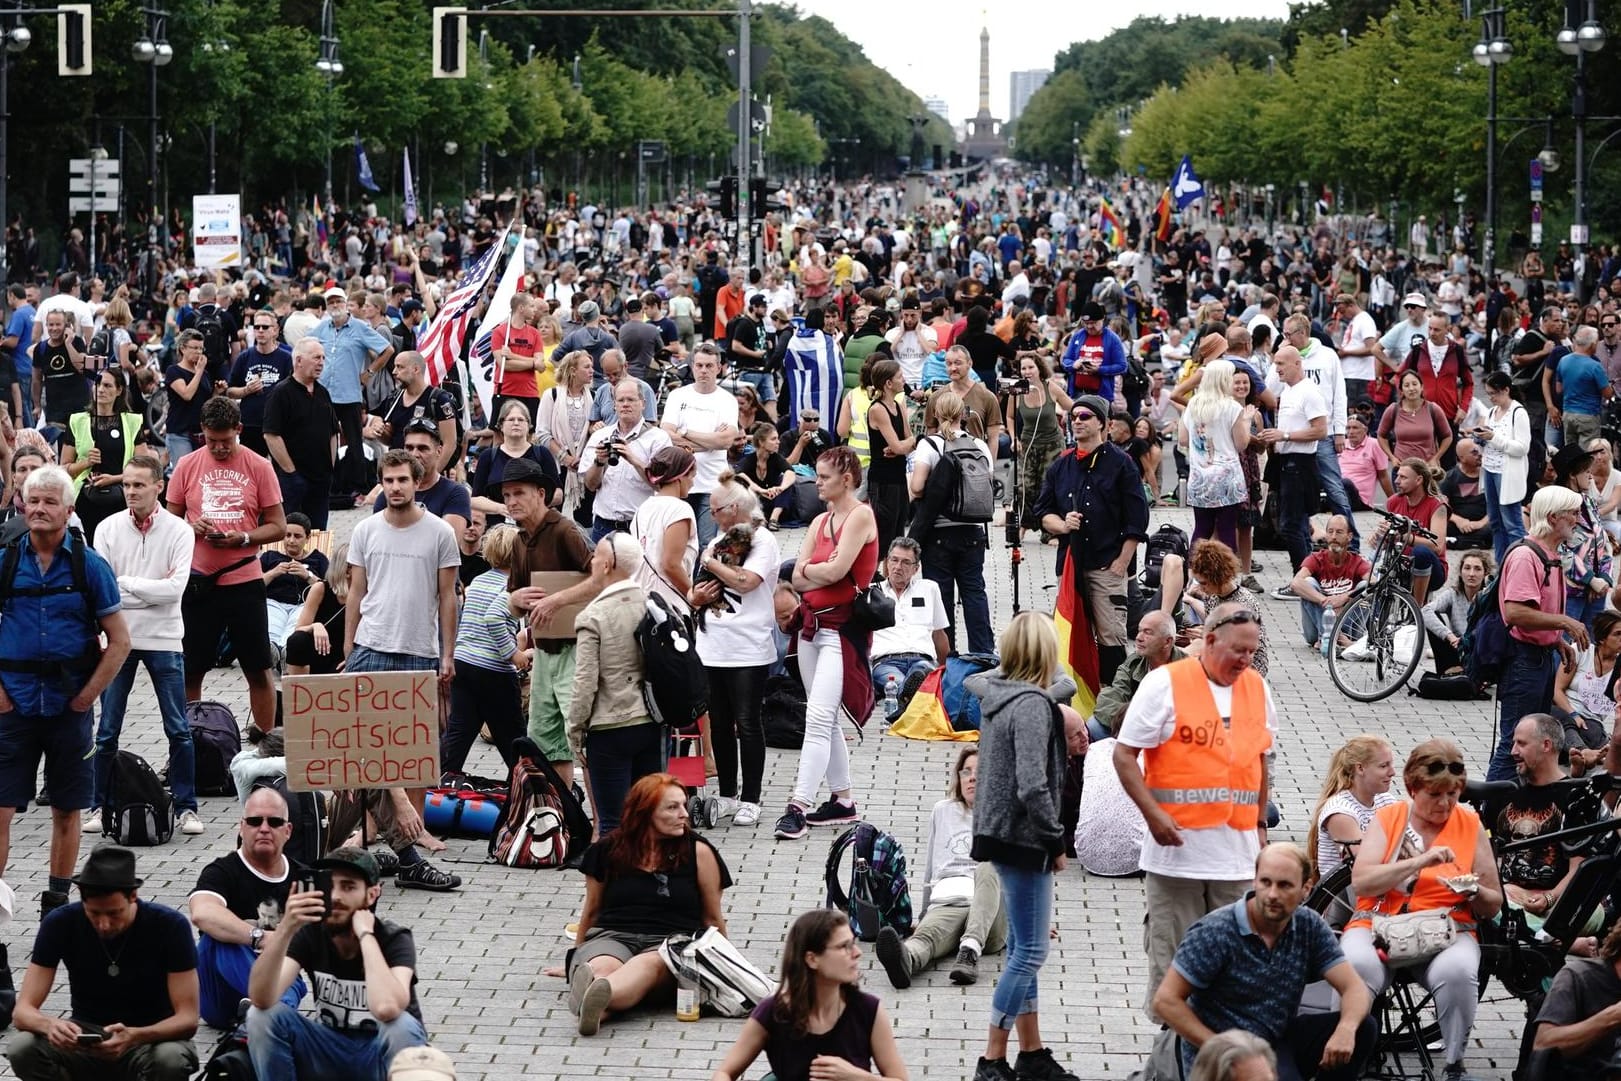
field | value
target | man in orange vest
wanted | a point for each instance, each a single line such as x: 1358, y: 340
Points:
x: 1202, y: 727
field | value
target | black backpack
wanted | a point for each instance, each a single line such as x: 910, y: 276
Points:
x: 137, y: 810
x: 782, y: 713
x: 229, y: 1060
x: 673, y: 681
x: 208, y: 322
x: 1486, y: 642
x: 1168, y: 540
x: 307, y: 811
x: 215, y: 740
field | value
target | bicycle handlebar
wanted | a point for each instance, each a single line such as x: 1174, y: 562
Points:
x: 1401, y: 524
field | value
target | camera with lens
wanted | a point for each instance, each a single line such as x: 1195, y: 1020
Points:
x: 614, y: 447
x: 1012, y: 386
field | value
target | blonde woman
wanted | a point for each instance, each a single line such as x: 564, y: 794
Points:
x: 564, y: 422
x: 551, y: 336
x: 1357, y: 785
x: 1214, y: 434
x: 485, y: 688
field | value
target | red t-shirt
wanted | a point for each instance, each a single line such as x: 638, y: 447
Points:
x: 233, y: 495
x: 1422, y: 512
x: 1336, y: 576
x: 525, y: 343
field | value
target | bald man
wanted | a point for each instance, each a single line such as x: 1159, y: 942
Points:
x: 1302, y: 422
x: 1156, y: 645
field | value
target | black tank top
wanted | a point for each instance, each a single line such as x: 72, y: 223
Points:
x: 886, y: 469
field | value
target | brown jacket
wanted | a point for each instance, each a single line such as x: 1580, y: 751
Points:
x: 608, y: 665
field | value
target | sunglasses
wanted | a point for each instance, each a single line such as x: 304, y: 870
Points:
x: 1081, y: 414
x: 1438, y: 767
x: 255, y: 821
x: 1235, y: 617
x: 1607, y: 326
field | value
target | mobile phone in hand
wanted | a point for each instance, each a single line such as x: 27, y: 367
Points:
x: 91, y: 1037
x: 323, y: 883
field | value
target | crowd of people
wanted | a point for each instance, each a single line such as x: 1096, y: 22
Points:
x: 888, y: 386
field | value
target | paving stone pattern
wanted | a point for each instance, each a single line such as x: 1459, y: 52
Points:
x: 481, y: 949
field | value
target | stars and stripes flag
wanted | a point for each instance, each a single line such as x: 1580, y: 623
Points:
x: 481, y: 361
x: 441, y: 344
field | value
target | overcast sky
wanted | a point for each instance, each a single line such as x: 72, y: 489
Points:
x: 934, y: 47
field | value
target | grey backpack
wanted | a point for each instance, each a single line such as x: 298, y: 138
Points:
x: 971, y: 495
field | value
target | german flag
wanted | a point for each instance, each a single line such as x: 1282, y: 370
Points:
x: 1162, y: 216
x: 1077, y: 649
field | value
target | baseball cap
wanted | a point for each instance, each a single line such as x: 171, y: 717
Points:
x: 421, y: 1064
x: 335, y: 292
x: 412, y: 305
x: 348, y: 858
x: 757, y: 298
x: 1414, y: 300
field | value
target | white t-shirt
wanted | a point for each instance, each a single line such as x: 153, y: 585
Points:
x: 1325, y: 371
x: 1357, y: 333
x: 927, y: 452
x: 742, y: 637
x: 688, y: 407
x: 1344, y: 803
x: 1298, y: 406
x: 919, y: 612
x: 77, y: 309
x: 647, y: 526
x: 1219, y: 853
x: 400, y: 612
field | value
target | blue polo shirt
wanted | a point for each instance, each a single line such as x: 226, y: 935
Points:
x: 52, y: 628
x: 348, y: 350
x: 1240, y: 982
x: 1583, y: 379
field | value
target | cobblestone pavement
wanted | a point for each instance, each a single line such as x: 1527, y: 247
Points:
x: 481, y: 950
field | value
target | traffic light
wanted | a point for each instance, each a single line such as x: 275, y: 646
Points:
x: 726, y: 189
x: 73, y: 39
x: 449, y: 43
x: 760, y: 201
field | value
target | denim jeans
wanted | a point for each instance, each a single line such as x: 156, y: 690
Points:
x: 178, y: 447
x: 1506, y: 522
x: 168, y: 671
x: 1311, y: 619
x: 899, y: 665
x: 1297, y: 498
x: 283, y: 1043
x: 616, y: 759
x: 222, y: 980
x: 1526, y: 687
x: 1027, y: 898
x: 954, y: 560
x: 1585, y: 608
x: 1333, y: 485
x: 699, y: 502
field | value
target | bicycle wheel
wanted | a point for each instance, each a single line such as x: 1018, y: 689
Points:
x: 1332, y: 898
x: 1386, y: 642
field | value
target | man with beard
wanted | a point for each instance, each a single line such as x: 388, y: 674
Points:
x: 362, y: 973
x: 1246, y: 964
x: 1327, y: 579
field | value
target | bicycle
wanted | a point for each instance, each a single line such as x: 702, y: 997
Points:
x: 1378, y: 639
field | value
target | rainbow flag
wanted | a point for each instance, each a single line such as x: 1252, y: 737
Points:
x: 1162, y: 216
x: 1109, y: 224
x: 320, y: 222
x: 1077, y: 649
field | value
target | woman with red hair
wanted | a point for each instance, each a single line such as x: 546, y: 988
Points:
x: 651, y: 878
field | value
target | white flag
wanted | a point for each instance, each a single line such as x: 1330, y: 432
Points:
x: 481, y: 363
x: 410, y: 193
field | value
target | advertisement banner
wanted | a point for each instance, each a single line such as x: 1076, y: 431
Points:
x: 216, y: 230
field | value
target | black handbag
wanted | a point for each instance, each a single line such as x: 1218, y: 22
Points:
x: 872, y: 609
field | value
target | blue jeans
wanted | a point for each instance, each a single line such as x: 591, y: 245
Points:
x: 699, y: 502
x: 1584, y: 608
x: 222, y: 980
x: 1526, y: 687
x: 282, y: 1043
x: 617, y: 759
x: 1506, y: 522
x: 178, y: 447
x: 1027, y: 898
x: 899, y: 665
x: 1333, y: 485
x: 954, y: 560
x: 168, y: 671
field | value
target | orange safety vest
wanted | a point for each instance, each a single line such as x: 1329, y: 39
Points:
x: 1461, y: 834
x: 1209, y: 773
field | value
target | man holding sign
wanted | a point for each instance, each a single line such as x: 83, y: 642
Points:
x: 402, y: 565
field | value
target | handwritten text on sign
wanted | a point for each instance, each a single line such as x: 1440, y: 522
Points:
x: 367, y: 730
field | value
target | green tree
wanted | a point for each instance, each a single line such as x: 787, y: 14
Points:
x: 1053, y: 119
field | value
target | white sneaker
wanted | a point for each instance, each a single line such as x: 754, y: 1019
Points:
x: 91, y: 822
x: 190, y: 823
x: 748, y: 814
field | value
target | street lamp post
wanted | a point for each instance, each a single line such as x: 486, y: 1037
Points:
x: 484, y: 144
x: 16, y: 37
x: 329, y: 65
x: 152, y: 48
x: 1491, y: 51
x: 1578, y: 41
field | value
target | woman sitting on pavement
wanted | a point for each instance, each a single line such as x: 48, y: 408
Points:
x: 1429, y: 854
x: 1583, y: 697
x: 962, y: 907
x: 651, y: 878
x: 818, y: 1024
x: 1446, y: 614
x: 1216, y: 578
x: 1357, y: 785
x: 319, y: 626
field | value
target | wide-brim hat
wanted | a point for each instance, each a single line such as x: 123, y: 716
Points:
x: 108, y: 868
x: 523, y: 471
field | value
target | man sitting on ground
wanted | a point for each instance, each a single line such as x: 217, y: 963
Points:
x: 1156, y: 645
x: 1326, y: 580
x: 917, y: 643
x: 239, y: 900
x: 139, y: 995
x: 362, y: 977
x: 1245, y: 966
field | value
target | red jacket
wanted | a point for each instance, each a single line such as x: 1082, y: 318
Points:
x: 1453, y: 388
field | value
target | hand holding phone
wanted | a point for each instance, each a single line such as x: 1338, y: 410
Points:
x: 91, y: 1037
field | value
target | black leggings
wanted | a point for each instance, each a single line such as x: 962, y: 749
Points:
x: 478, y: 697
x: 735, y: 695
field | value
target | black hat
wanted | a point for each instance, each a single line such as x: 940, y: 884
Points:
x: 1092, y: 310
x: 108, y: 868
x: 1571, y: 459
x: 524, y: 471
x: 757, y: 298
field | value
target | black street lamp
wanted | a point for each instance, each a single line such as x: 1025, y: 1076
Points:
x: 15, y: 37
x: 211, y: 46
x: 1491, y: 52
x: 329, y: 65
x: 1578, y: 41
x: 152, y: 48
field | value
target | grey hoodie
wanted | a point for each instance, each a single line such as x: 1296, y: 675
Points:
x: 1021, y: 774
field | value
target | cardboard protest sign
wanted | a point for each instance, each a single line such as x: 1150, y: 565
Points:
x: 561, y: 625
x: 362, y: 730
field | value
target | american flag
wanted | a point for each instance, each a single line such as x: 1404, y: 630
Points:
x: 441, y: 344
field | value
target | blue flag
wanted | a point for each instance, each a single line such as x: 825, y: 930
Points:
x: 1186, y: 185
x: 364, y: 166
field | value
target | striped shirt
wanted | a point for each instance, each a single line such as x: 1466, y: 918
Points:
x: 487, y: 634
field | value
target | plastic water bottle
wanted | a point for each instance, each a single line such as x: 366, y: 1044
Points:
x: 686, y: 986
x: 892, y: 697
x: 1327, y: 642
